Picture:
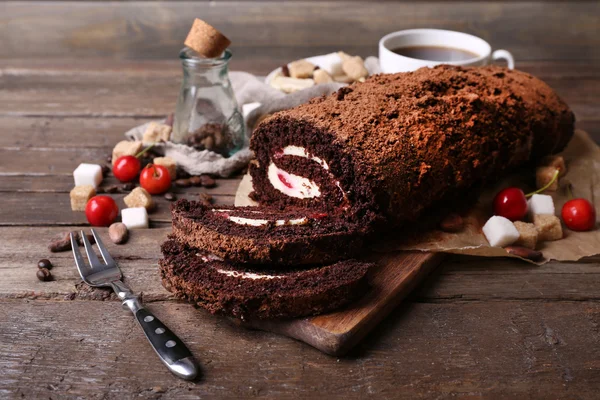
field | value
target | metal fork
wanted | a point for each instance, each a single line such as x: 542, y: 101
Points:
x: 170, y: 349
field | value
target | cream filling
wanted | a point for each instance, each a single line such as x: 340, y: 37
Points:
x: 294, y: 186
x: 243, y: 275
x: 260, y: 222
x: 298, y: 181
x: 301, y: 152
x: 248, y: 275
x: 209, y: 257
x: 248, y: 221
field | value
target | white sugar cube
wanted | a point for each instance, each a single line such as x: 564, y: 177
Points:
x: 88, y: 174
x: 136, y: 217
x: 500, y: 232
x: 540, y: 204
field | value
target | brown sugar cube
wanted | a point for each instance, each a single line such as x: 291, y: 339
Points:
x: 169, y: 164
x: 301, y: 69
x: 548, y: 227
x: 354, y: 67
x: 528, y: 235
x: 321, y: 76
x: 543, y: 176
x: 206, y: 40
x: 80, y: 196
x: 156, y: 132
x: 126, y: 148
x: 557, y: 162
x: 139, y: 197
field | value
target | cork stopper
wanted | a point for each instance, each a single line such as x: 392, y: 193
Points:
x: 206, y: 40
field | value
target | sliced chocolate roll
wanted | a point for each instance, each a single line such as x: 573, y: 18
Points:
x: 396, y: 144
x: 246, y: 292
x: 260, y: 235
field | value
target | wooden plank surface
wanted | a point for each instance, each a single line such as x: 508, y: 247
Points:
x: 499, y: 349
x: 156, y: 30
x: 392, y: 278
x: 75, y: 75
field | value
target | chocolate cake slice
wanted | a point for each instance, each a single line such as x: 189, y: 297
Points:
x: 245, y: 292
x: 260, y: 235
x: 396, y: 144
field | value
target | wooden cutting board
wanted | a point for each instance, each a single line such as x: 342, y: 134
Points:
x: 391, y: 281
x: 395, y: 275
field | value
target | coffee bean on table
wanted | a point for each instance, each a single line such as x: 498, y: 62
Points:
x: 128, y: 187
x: 196, y: 181
x: 111, y: 189
x: 184, y: 183
x: 181, y: 174
x: 207, y: 181
x: 63, y: 242
x: 45, y: 263
x: 170, y: 196
x: 43, y: 274
x: 100, y: 190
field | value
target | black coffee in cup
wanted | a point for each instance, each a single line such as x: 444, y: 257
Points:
x: 435, y: 53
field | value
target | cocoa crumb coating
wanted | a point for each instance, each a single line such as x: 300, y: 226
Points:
x: 400, y: 142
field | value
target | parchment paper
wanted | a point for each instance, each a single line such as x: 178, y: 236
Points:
x: 583, y: 170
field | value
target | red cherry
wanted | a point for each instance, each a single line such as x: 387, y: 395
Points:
x: 155, y: 179
x: 101, y: 211
x: 579, y: 215
x: 510, y: 203
x: 126, y: 168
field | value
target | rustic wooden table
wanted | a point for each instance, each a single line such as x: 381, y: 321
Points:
x: 475, y: 328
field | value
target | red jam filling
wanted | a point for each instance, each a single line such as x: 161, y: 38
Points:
x: 284, y: 181
x: 318, y: 215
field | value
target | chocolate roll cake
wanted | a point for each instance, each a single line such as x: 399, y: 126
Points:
x: 245, y: 292
x: 394, y: 145
x: 260, y: 235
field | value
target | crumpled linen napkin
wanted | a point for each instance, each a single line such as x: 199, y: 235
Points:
x: 256, y: 99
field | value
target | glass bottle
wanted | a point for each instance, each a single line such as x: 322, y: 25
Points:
x: 207, y: 116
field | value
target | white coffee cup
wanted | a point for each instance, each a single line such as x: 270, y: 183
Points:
x: 391, y: 62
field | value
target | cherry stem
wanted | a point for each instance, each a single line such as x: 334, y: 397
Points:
x: 570, y: 191
x: 546, y: 186
x: 154, y: 173
x: 145, y: 150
